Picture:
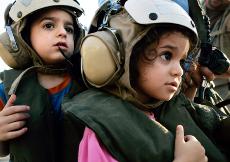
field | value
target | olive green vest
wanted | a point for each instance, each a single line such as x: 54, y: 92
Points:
x: 129, y: 135
x: 43, y: 141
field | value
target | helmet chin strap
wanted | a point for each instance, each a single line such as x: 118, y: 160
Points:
x: 38, y: 68
x: 67, y: 58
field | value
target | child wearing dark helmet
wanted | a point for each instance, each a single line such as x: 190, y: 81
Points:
x: 41, y: 37
x: 135, y: 111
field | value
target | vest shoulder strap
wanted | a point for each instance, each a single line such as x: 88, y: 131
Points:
x: 8, y: 76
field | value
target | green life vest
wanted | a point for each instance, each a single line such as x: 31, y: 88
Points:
x: 129, y: 135
x: 43, y: 141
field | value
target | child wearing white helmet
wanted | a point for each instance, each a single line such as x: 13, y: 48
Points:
x: 133, y: 60
x: 41, y: 37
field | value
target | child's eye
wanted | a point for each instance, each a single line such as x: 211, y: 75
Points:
x: 166, y: 56
x: 48, y: 26
x: 69, y: 30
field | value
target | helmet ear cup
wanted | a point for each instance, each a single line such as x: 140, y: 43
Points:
x: 18, y: 59
x: 100, y: 54
x: 7, y: 57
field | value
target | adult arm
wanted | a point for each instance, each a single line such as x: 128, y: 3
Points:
x: 226, y: 75
x: 193, y: 79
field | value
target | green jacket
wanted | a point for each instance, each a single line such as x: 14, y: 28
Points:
x: 42, y: 142
x: 129, y: 135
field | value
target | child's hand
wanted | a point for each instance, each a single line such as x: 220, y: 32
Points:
x: 12, y: 120
x: 188, y: 148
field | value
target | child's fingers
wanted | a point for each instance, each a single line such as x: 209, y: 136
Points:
x: 179, y: 135
x: 14, y: 126
x: 17, y: 117
x: 10, y: 101
x: 18, y: 133
x: 14, y: 134
x: 14, y: 110
x: 190, y: 138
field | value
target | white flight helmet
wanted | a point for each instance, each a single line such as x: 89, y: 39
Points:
x: 22, y: 8
x: 106, y: 52
x: 14, y: 50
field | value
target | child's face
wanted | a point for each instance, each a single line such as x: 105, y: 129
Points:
x: 161, y: 78
x: 51, y: 31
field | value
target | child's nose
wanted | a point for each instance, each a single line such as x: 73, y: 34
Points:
x: 62, y: 31
x: 177, y: 69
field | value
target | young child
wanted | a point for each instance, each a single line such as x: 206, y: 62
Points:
x: 43, y: 33
x: 136, y: 62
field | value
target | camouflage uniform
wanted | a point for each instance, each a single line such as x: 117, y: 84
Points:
x: 220, y: 38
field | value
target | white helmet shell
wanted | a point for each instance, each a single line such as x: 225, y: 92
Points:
x: 159, y: 11
x: 22, y: 8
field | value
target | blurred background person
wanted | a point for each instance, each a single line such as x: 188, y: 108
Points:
x: 218, y: 12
